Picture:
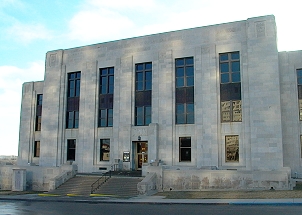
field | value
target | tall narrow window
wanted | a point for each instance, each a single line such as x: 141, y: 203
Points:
x: 185, y: 149
x: 301, y: 146
x: 39, y: 112
x: 105, y: 150
x: 106, y: 91
x: 232, y: 148
x: 299, y: 82
x: 37, y: 149
x: 143, y: 92
x: 184, y: 83
x: 71, y: 149
x: 230, y: 87
x: 73, y: 100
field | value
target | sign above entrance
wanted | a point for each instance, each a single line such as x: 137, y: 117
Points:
x: 126, y: 156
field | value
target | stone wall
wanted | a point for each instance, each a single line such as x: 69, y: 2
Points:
x: 37, y: 178
x: 186, y: 179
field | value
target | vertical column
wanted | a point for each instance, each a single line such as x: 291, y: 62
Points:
x: 166, y: 106
x: 27, y: 120
x: 51, y: 109
x: 153, y: 142
x: 264, y: 94
x: 208, y: 136
x: 125, y: 98
x: 87, y: 116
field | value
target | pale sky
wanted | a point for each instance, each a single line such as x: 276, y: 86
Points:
x: 30, y: 28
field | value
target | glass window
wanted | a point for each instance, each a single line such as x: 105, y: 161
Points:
x: 184, y: 72
x: 184, y: 149
x: 105, y: 150
x: 232, y: 148
x: 143, y: 76
x: 71, y: 149
x: 37, y: 149
x: 74, y: 82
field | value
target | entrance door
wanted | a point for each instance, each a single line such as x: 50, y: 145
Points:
x: 141, y: 154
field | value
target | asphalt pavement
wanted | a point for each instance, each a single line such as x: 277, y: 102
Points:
x: 147, y: 200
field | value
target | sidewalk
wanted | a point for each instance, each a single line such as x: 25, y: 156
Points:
x: 149, y: 200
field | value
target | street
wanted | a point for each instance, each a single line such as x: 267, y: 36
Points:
x: 74, y: 208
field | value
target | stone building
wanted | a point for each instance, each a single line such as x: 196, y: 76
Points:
x: 207, y: 107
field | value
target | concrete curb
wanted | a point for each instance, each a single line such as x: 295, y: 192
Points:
x: 147, y: 200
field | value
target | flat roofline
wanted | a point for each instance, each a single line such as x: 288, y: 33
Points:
x: 148, y: 35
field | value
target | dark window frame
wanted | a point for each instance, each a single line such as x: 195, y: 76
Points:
x: 185, y: 150
x: 104, y: 150
x: 144, y: 69
x: 143, y: 94
x: 37, y: 145
x: 184, y: 65
x: 299, y: 85
x: 72, y: 119
x: 230, y: 90
x: 143, y: 117
x: 184, y: 93
x: 74, y: 84
x: 232, y: 152
x: 229, y: 61
x: 106, y: 91
x: 39, y: 112
x: 71, y: 149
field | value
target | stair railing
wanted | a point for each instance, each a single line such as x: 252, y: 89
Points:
x: 96, y: 185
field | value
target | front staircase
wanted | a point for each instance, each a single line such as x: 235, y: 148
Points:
x: 121, y: 184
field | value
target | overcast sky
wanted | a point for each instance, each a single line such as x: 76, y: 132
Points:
x: 30, y: 28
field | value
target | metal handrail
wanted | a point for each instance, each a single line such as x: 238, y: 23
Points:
x: 96, y: 185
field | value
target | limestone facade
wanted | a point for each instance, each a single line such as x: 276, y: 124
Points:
x: 267, y: 133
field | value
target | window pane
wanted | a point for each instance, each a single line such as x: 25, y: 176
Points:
x: 185, y: 154
x: 180, y: 72
x: 232, y: 148
x: 225, y: 78
x: 148, y: 66
x: 223, y: 57
x: 110, y: 117
x: 77, y: 92
x: 189, y: 71
x: 299, y: 73
x: 190, y: 108
x: 139, y: 66
x: 224, y: 67
x: 236, y: 77
x: 180, y: 109
x: 299, y: 81
x: 71, y: 75
x: 103, y: 71
x: 190, y: 81
x: 139, y: 85
x: 185, y: 141
x: 189, y: 60
x: 148, y: 85
x: 76, y: 120
x: 111, y: 79
x: 139, y: 76
x: 235, y: 55
x: 180, y: 119
x: 179, y: 62
x: 235, y: 66
x: 148, y: 76
x: 111, y: 71
x: 190, y: 118
x: 179, y: 82
x: 105, y: 150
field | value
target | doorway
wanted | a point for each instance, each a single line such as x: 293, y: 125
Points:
x: 141, y: 154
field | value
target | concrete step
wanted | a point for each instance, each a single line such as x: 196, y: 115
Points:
x: 79, y: 185
x: 120, y: 186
